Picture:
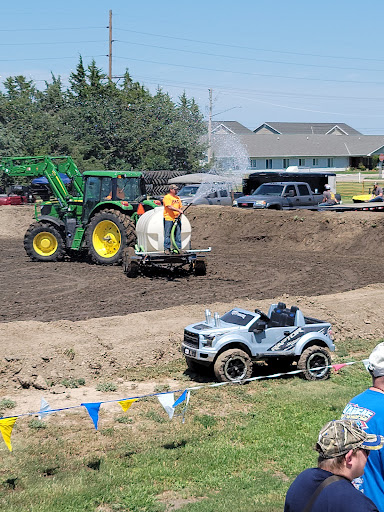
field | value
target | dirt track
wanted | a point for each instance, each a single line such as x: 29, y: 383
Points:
x: 54, y: 314
x: 254, y: 255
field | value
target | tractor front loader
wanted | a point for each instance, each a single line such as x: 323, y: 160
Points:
x: 97, y: 212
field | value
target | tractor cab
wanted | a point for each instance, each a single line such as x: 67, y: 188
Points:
x: 123, y: 189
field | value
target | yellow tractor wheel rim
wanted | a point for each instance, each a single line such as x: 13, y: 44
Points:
x: 106, y: 238
x: 45, y: 243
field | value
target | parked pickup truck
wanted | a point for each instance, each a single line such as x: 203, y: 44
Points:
x: 279, y: 195
x: 283, y: 337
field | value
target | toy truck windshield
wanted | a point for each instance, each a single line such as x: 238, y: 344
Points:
x: 237, y: 317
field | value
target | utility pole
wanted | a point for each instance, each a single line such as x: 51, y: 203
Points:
x: 110, y: 45
x: 210, y: 127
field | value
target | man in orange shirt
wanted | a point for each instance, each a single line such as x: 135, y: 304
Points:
x: 172, y: 211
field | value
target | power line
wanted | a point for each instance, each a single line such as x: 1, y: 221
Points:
x: 51, y: 43
x: 230, y: 90
x: 51, y: 58
x: 44, y: 29
x: 247, y: 47
x: 253, y: 59
x: 251, y: 74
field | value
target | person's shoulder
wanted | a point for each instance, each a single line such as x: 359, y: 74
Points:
x: 342, y: 493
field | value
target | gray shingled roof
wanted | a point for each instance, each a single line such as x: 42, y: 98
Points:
x: 232, y: 126
x: 308, y: 128
x: 270, y: 146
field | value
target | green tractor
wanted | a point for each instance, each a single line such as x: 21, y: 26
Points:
x: 96, y: 211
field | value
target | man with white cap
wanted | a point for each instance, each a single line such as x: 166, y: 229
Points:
x: 367, y: 409
x: 343, y: 452
x: 328, y: 196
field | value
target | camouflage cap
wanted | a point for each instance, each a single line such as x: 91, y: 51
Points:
x: 339, y: 436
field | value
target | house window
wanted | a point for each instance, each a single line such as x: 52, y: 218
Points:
x: 285, y: 163
x: 253, y: 163
x: 301, y: 162
x: 330, y: 162
x: 268, y: 163
x: 315, y: 162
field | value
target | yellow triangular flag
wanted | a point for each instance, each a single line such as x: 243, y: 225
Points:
x: 126, y: 404
x: 6, y: 426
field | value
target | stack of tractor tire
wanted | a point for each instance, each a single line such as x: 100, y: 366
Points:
x: 159, y: 180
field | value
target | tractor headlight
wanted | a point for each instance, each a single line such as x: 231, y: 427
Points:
x: 207, y: 339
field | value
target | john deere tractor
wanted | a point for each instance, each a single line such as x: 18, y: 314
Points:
x: 96, y: 212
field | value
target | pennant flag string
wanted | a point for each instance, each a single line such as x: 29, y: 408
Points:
x: 166, y: 398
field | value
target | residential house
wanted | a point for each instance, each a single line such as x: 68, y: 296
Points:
x: 317, y: 146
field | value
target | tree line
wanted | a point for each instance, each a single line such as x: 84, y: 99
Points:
x: 100, y: 123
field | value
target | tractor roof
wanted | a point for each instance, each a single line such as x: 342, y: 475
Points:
x: 113, y: 174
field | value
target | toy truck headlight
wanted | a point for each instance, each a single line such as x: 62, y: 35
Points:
x: 207, y: 339
x: 330, y: 333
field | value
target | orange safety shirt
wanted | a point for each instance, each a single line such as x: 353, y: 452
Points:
x: 170, y: 200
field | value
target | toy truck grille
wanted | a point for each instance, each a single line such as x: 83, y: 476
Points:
x: 191, y: 339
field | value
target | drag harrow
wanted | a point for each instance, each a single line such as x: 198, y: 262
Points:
x: 136, y: 261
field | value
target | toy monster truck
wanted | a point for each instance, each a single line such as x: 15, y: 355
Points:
x: 283, y: 337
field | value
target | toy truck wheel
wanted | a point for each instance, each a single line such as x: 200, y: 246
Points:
x: 312, y: 358
x: 108, y: 234
x: 233, y: 365
x: 200, y: 268
x: 44, y: 242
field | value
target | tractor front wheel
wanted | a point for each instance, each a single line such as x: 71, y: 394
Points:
x: 44, y: 242
x: 108, y: 234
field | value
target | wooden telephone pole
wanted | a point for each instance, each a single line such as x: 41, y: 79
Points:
x: 210, y: 127
x: 110, y: 45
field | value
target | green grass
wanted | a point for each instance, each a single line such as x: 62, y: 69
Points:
x: 240, y: 447
x: 349, y: 189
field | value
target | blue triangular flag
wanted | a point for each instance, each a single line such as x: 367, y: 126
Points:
x: 44, y: 409
x: 181, y: 398
x: 93, y: 411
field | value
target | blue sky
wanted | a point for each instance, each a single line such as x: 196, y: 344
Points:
x: 265, y: 60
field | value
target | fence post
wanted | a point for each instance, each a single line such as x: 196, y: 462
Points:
x: 359, y: 177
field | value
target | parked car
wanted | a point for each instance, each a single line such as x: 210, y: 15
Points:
x: 229, y: 345
x: 206, y: 193
x: 279, y: 195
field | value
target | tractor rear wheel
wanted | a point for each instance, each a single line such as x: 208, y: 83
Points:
x: 44, y: 242
x: 108, y: 234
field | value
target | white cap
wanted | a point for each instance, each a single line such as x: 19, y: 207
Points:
x: 376, y: 361
x: 327, y: 187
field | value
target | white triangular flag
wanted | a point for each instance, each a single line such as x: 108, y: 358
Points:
x: 45, y: 409
x: 167, y: 400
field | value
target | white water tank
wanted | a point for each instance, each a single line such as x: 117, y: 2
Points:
x: 150, y: 231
